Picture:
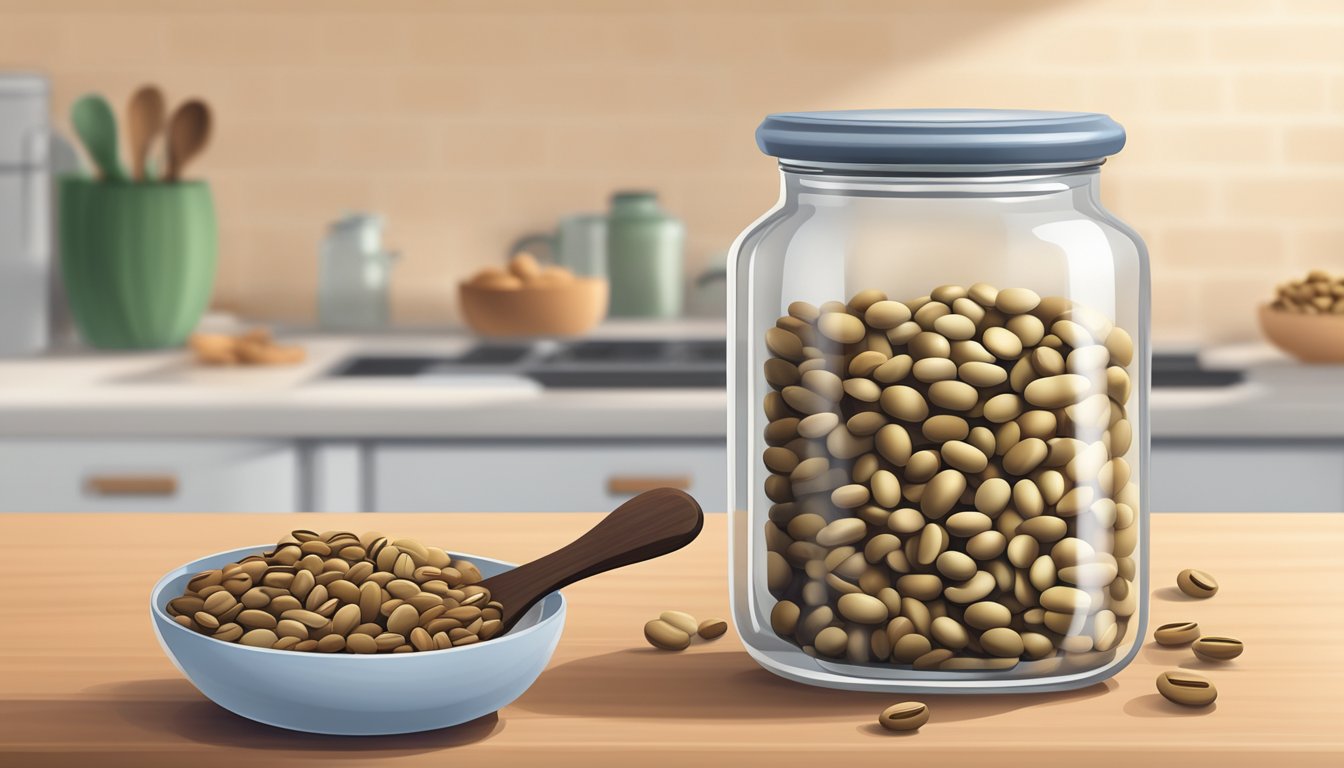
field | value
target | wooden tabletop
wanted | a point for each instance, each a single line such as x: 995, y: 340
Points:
x: 83, y: 681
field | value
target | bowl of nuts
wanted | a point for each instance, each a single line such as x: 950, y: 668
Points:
x: 350, y: 635
x: 528, y: 299
x: 1306, y: 318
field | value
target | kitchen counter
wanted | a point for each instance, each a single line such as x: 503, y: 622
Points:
x: 82, y: 679
x: 165, y: 394
x: 1280, y: 399
x: 162, y: 394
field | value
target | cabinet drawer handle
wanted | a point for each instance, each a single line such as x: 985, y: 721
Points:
x: 629, y: 485
x: 131, y: 485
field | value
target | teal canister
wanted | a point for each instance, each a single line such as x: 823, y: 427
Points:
x: 138, y: 259
x: 644, y: 257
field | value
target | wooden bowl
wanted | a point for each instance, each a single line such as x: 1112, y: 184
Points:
x: 568, y: 309
x: 1309, y: 338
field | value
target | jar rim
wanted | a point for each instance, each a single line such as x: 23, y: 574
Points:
x: 958, y: 172
x: 940, y: 137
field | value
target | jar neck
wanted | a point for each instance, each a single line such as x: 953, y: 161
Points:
x: 962, y: 180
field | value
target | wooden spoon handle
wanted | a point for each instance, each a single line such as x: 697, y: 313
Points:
x: 188, y: 132
x: 651, y: 524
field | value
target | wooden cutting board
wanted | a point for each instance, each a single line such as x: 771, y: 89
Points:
x: 83, y: 681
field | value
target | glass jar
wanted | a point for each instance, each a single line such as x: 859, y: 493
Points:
x: 939, y: 398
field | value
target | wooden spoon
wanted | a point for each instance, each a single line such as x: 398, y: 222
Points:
x: 651, y: 524
x: 144, y: 121
x: 188, y: 131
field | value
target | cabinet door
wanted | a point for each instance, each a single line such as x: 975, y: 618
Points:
x: 541, y: 477
x: 1247, y: 477
x: 147, y: 476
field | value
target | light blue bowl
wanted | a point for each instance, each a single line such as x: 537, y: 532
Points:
x: 353, y: 695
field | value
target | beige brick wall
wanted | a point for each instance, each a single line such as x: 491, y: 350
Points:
x: 468, y: 123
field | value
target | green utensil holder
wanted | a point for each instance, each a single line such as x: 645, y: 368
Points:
x: 138, y: 259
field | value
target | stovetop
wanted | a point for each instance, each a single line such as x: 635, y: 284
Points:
x: 1184, y: 371
x: 648, y: 364
x: 597, y: 364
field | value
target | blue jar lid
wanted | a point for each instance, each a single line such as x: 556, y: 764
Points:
x: 940, y: 136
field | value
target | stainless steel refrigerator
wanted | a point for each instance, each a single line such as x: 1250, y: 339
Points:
x: 25, y: 214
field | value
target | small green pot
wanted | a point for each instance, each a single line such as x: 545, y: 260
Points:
x: 138, y: 259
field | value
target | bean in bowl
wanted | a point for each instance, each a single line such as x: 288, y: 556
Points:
x: 335, y: 592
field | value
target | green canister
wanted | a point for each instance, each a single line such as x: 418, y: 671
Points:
x: 644, y: 257
x: 138, y: 259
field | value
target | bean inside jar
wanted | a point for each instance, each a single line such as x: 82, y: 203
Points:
x: 948, y: 479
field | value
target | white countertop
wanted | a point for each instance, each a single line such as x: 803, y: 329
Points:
x: 164, y: 394
x: 1280, y: 399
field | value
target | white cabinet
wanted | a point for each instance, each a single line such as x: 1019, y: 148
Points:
x: 1206, y: 476
x: 86, y: 475
x: 148, y: 476
x: 541, y: 476
x: 334, y: 477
